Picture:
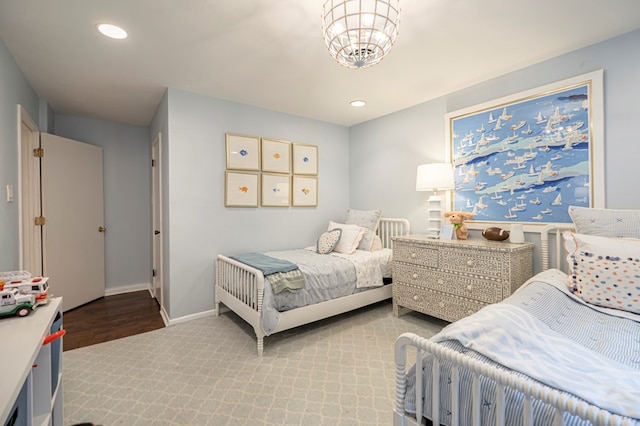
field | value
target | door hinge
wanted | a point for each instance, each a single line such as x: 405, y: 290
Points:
x: 153, y: 162
x: 38, y: 152
x: 40, y: 220
x: 153, y: 272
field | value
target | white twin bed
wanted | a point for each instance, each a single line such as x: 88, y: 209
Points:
x: 335, y: 283
x: 562, y: 350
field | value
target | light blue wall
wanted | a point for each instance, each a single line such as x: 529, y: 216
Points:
x: 384, y: 155
x: 127, y: 195
x: 201, y: 227
x: 14, y: 90
x: 395, y: 145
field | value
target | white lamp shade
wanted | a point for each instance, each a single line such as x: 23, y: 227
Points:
x: 434, y: 177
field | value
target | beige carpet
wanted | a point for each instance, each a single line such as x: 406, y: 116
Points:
x: 339, y: 371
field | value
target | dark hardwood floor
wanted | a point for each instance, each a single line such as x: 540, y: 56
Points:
x: 110, y: 318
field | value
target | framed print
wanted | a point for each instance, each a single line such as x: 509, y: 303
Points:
x: 447, y: 232
x: 241, y: 189
x: 276, y: 190
x: 305, y: 191
x: 527, y: 157
x: 305, y: 159
x: 243, y: 152
x: 276, y: 156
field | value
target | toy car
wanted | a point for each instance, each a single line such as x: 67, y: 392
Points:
x: 12, y: 302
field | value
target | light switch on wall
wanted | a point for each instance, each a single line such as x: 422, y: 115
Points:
x: 9, y: 193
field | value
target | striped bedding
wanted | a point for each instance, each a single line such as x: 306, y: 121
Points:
x: 543, y: 331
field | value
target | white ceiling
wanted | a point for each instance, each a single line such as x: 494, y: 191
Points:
x: 270, y: 53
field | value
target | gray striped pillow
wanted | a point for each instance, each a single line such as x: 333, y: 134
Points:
x: 606, y: 222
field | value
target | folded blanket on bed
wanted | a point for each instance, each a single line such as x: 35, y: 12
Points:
x: 282, y: 274
x: 280, y: 281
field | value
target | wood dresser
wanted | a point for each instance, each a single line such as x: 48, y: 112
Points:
x: 451, y: 279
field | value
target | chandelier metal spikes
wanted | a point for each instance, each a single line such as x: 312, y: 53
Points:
x: 359, y: 33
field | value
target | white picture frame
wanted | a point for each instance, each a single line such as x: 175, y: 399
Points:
x: 542, y: 148
x: 305, y: 159
x: 447, y: 232
x: 276, y: 156
x: 243, y: 152
x: 276, y: 190
x: 305, y: 191
x: 242, y: 189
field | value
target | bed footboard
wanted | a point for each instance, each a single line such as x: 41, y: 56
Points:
x: 531, y: 390
x: 241, y: 288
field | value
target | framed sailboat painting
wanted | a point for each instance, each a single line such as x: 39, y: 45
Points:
x: 528, y: 156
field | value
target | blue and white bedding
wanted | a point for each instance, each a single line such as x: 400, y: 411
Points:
x: 326, y: 277
x: 544, y: 332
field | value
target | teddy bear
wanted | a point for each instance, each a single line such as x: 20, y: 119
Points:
x: 457, y: 220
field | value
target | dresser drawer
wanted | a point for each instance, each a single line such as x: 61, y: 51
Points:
x: 469, y: 287
x: 488, y: 263
x: 417, y: 255
x: 440, y: 305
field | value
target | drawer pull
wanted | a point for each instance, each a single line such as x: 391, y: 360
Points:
x: 471, y: 262
x: 470, y: 287
x: 414, y: 255
x: 415, y: 297
x: 414, y: 276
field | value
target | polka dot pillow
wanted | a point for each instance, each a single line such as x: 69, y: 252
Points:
x: 605, y: 271
x: 328, y: 241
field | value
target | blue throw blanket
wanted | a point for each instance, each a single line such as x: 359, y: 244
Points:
x: 266, y: 264
x: 281, y: 274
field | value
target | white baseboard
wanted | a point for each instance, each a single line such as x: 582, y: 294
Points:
x: 127, y: 289
x: 163, y: 313
x: 172, y: 321
x: 165, y: 317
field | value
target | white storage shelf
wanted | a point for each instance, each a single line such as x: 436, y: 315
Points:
x: 31, y: 391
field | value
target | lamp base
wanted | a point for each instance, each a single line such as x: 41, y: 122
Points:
x: 434, y: 216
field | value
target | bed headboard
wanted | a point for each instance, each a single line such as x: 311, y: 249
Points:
x: 553, y: 258
x: 390, y: 227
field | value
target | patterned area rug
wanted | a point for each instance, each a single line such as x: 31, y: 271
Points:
x: 338, y: 371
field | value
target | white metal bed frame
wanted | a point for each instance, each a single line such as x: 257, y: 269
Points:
x: 241, y: 288
x: 505, y: 379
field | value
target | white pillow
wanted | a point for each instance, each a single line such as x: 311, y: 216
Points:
x: 350, y: 238
x: 606, y: 222
x: 605, y: 271
x: 377, y: 244
x: 368, y: 219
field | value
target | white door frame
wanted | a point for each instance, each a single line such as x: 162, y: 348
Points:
x: 29, y: 185
x: 156, y: 223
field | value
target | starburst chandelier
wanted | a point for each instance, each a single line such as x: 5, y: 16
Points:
x: 359, y: 33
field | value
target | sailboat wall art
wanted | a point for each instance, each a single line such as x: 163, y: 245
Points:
x: 528, y: 156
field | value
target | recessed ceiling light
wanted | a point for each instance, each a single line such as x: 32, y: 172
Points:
x: 112, y: 31
x: 357, y: 104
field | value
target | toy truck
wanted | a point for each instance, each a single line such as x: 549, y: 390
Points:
x: 12, y: 302
x: 38, y: 286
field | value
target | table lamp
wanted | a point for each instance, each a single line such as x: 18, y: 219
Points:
x: 434, y: 177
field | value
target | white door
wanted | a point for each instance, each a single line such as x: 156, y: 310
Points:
x: 72, y: 205
x: 157, y: 219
